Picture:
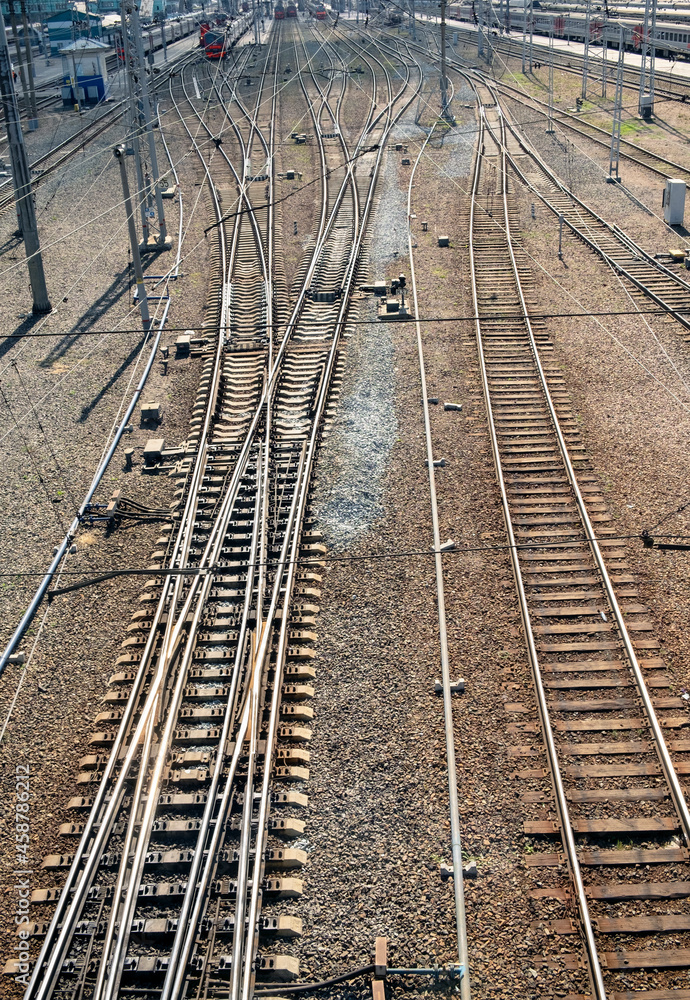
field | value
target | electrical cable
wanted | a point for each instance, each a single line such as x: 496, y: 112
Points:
x: 311, y: 561
x: 282, y: 988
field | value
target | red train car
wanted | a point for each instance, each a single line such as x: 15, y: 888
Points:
x: 214, y: 45
x: 320, y: 12
x: 291, y: 10
x: 203, y: 28
x: 279, y: 12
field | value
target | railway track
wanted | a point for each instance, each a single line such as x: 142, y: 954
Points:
x: 645, y: 276
x: 658, y: 165
x: 666, y: 85
x: 598, y: 754
x: 195, y: 786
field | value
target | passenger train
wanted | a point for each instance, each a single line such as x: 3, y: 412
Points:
x: 291, y: 10
x: 174, y: 28
x: 317, y: 10
x: 218, y: 42
x: 670, y: 38
x: 279, y: 12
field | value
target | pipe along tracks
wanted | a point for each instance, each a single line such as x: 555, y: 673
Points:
x: 605, y: 779
x: 193, y: 793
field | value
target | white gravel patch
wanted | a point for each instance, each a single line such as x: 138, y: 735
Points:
x: 349, y: 500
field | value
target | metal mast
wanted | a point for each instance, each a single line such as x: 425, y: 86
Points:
x: 524, y: 34
x: 131, y: 31
x: 614, y: 157
x: 531, y: 31
x: 585, y: 61
x: 479, y: 7
x: 646, y: 102
x: 33, y: 119
x: 444, y: 82
x: 604, y: 54
x: 22, y: 179
x: 255, y: 21
x: 549, y: 125
x: 133, y: 118
x: 17, y: 47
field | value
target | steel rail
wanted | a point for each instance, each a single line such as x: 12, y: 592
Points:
x: 61, y: 907
x: 659, y: 740
x: 559, y: 790
x: 114, y: 801
x: 241, y: 945
x: 197, y: 596
x: 199, y: 878
x: 572, y: 122
x: 454, y: 808
x: 42, y: 589
x: 615, y: 231
x: 82, y: 136
x: 67, y: 911
x: 618, y: 234
x: 514, y: 47
x: 194, y: 605
x: 312, y: 451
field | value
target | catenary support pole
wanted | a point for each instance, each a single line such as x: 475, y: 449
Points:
x: 119, y: 152
x: 21, y: 177
x: 444, y: 81
x: 614, y: 156
x: 604, y: 53
x: 133, y: 122
x: 479, y: 8
x: 585, y: 61
x: 75, y: 78
x: 146, y: 110
x: 549, y: 126
x: 33, y: 117
x: 18, y: 51
x: 647, y: 64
